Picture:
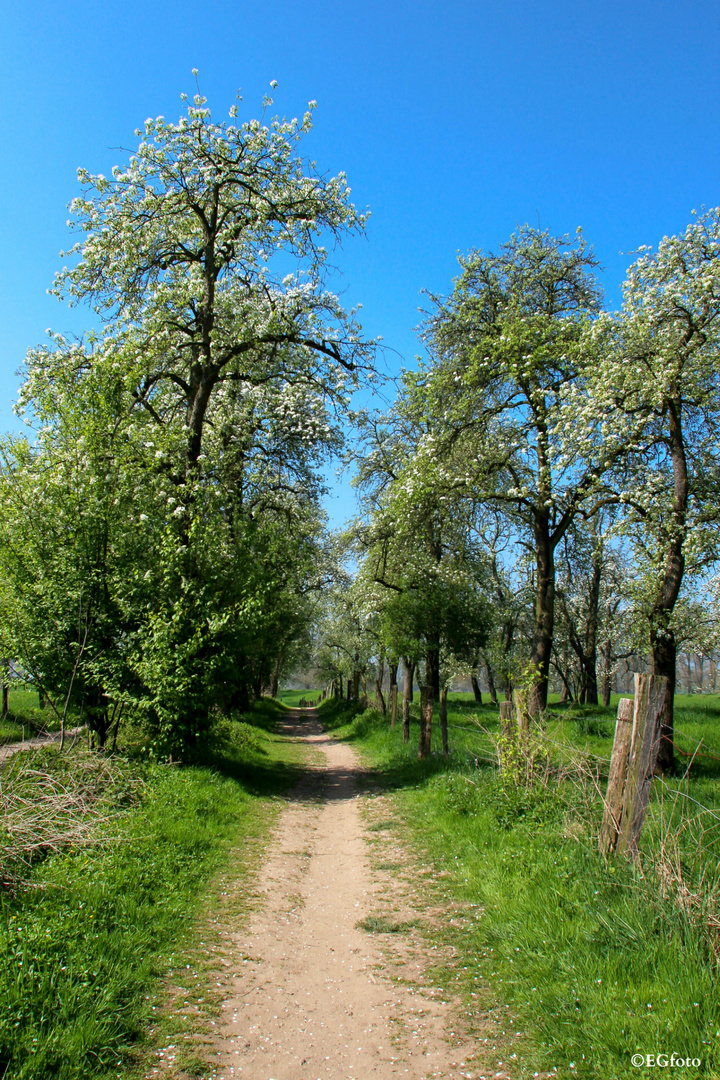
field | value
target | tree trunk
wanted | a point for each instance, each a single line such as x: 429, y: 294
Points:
x: 432, y: 665
x: 378, y: 686
x: 491, y: 681
x: 589, y: 659
x: 607, y: 667
x: 275, y: 681
x: 118, y: 711
x: 662, y: 638
x: 5, y: 698
x: 544, y: 613
x: 394, y: 661
x: 101, y: 726
x: 241, y: 697
x: 477, y: 693
x: 426, y: 711
x: 409, y: 664
x: 443, y: 720
x: 664, y: 652
x: 340, y: 686
x: 407, y: 698
x: 393, y: 664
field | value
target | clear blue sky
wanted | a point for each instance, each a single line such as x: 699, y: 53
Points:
x: 454, y: 122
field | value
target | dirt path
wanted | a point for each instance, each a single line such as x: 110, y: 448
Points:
x: 8, y: 749
x: 309, y: 995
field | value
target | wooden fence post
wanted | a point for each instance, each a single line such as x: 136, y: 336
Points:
x: 506, y: 718
x: 616, y: 779
x: 650, y: 694
x: 521, y: 711
x: 426, y: 710
x: 632, y: 766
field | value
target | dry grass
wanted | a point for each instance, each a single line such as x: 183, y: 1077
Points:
x: 50, y: 801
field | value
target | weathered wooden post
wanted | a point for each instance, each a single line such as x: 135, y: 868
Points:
x: 522, y: 715
x: 616, y: 779
x: 506, y: 719
x: 650, y: 694
x: 632, y: 766
x: 426, y: 711
x: 393, y: 705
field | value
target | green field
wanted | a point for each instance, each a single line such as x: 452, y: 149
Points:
x: 292, y: 698
x: 90, y: 931
x: 26, y: 717
x: 590, y: 962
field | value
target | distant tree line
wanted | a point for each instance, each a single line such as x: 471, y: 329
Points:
x: 542, y: 498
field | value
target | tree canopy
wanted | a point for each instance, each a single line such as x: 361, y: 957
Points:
x: 541, y: 498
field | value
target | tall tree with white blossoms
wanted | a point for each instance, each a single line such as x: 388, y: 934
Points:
x: 230, y: 372
x: 180, y: 260
x: 658, y: 382
x: 506, y: 345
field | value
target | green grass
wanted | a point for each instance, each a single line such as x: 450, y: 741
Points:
x: 589, y: 961
x: 24, y: 712
x: 84, y: 949
x: 292, y: 698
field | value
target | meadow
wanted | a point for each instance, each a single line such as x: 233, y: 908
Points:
x: 578, y: 962
x: 25, y: 718
x: 92, y: 921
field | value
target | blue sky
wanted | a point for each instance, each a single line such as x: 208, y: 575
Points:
x: 454, y: 121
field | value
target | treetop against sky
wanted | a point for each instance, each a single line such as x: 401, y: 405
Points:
x: 453, y: 124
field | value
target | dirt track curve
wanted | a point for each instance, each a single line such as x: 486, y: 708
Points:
x: 7, y: 750
x: 308, y: 995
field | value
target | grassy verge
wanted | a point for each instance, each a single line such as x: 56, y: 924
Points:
x: 26, y: 717
x: 88, y: 941
x: 592, y: 962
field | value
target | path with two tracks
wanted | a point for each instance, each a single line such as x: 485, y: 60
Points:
x: 308, y: 993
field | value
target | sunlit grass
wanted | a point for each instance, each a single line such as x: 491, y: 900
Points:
x: 292, y: 698
x: 26, y: 718
x: 84, y: 947
x: 592, y: 962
